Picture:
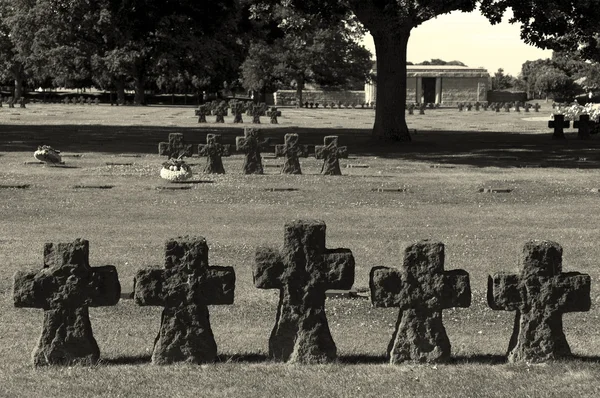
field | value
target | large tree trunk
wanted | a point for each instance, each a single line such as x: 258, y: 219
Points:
x: 120, y: 86
x: 390, y: 120
x: 138, y: 86
x: 18, y: 88
x: 299, y: 88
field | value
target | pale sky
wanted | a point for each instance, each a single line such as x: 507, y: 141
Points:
x: 470, y: 38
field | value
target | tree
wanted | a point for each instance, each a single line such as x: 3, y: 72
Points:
x: 556, y: 83
x: 302, y: 48
x: 560, y: 25
x: 12, y: 58
x: 390, y: 23
x: 437, y: 61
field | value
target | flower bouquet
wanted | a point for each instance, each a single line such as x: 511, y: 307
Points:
x: 47, y: 154
x: 175, y: 170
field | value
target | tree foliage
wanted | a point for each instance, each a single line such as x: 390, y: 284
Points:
x: 301, y: 48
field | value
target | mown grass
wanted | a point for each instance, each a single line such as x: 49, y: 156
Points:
x: 128, y: 224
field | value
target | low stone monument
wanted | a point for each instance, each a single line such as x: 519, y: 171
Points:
x: 273, y: 113
x: 251, y: 144
x: 214, y: 150
x: 291, y: 150
x: 185, y: 287
x: 559, y: 124
x: 65, y: 288
x: 421, y: 290
x: 176, y: 147
x: 331, y: 155
x: 540, y: 295
x: 201, y: 112
x: 303, y: 270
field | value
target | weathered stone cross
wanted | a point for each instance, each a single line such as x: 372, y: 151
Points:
x: 214, y: 150
x: 251, y: 145
x: 303, y: 270
x: 539, y: 295
x: 331, y: 155
x: 292, y: 151
x: 185, y: 287
x: 65, y: 288
x: 583, y: 126
x: 176, y: 147
x: 422, y: 289
x: 558, y: 124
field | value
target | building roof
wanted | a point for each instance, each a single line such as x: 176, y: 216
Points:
x: 442, y: 71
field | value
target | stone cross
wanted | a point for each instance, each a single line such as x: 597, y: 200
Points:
x: 273, y: 113
x: 176, y: 147
x: 201, y: 112
x: 421, y: 290
x: 185, y: 287
x: 331, y: 154
x: 469, y: 107
x: 527, y: 106
x: 302, y: 271
x: 536, y: 107
x: 411, y: 109
x: 238, y: 109
x: 251, y: 145
x: 291, y: 150
x: 220, y: 113
x: 214, y: 150
x: 583, y: 126
x: 477, y: 106
x: 558, y: 124
x: 540, y: 295
x: 65, y: 288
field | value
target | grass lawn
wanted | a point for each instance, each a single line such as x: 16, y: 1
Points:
x: 553, y: 195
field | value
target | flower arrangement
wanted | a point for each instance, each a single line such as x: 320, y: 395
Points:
x: 573, y: 111
x: 175, y: 170
x: 47, y: 154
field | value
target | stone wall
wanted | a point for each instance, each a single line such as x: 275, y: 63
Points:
x: 461, y: 89
x: 288, y: 97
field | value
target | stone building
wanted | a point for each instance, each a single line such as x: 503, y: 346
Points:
x: 440, y: 84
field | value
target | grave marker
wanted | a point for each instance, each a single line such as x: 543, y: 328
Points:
x: 214, y: 150
x: 584, y: 127
x: 331, y: 154
x: 65, y: 288
x: 302, y: 271
x: 421, y: 290
x: 176, y: 147
x: 273, y: 113
x: 185, y: 287
x: 201, y: 112
x: 540, y: 295
x: 558, y: 124
x: 536, y: 107
x: 291, y: 150
x: 251, y: 145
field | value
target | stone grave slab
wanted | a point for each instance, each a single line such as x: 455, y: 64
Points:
x: 539, y: 295
x: 185, y: 287
x: 389, y: 190
x: 282, y: 189
x: 421, y: 290
x: 65, y: 288
x: 357, y: 166
x: 119, y: 163
x: 495, y: 190
x: 15, y: 186
x: 93, y: 186
x: 303, y: 270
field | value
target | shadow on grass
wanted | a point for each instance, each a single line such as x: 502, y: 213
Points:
x: 127, y: 360
x: 243, y: 358
x: 479, y: 359
x: 363, y: 359
x: 587, y: 358
x: 458, y: 148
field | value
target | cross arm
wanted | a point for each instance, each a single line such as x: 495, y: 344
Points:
x: 149, y: 287
x: 573, y: 289
x: 320, y: 151
x: 503, y: 291
x: 27, y: 290
x: 240, y: 143
x: 564, y: 124
x: 104, y: 288
x: 457, y: 289
x: 340, y: 265
x: 386, y: 286
x: 342, y: 152
x: 219, y: 285
x: 268, y: 268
